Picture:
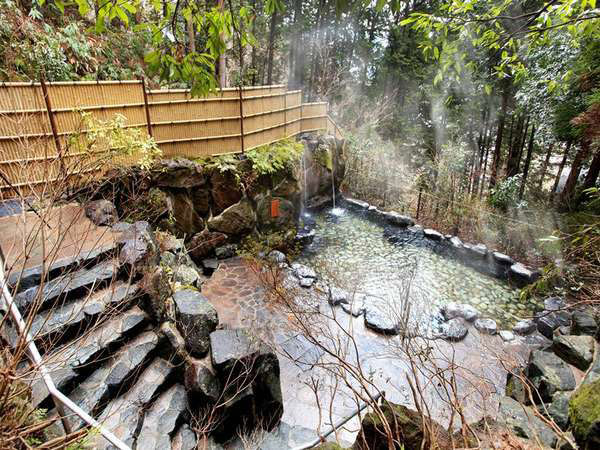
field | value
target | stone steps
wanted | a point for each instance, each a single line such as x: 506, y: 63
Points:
x: 60, y: 290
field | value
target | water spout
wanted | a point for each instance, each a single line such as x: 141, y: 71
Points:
x: 333, y: 184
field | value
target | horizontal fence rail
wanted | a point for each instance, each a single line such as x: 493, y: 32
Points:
x: 37, y: 120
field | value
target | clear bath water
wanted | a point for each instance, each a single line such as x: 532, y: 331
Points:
x: 353, y: 253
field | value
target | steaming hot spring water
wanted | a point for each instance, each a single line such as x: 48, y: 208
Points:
x: 394, y: 270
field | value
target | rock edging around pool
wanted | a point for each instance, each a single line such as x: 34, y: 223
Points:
x: 476, y: 256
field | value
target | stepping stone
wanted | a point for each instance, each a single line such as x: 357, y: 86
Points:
x: 123, y: 414
x: 524, y: 327
x: 66, y: 284
x: 453, y: 310
x: 355, y: 307
x: 160, y: 420
x: 521, y: 275
x: 358, y: 203
x: 301, y: 271
x: 433, y: 234
x: 507, y: 336
x: 63, y: 363
x: 96, y: 388
x: 380, y: 322
x: 575, y: 350
x: 502, y: 259
x: 487, y: 326
x: 454, y: 330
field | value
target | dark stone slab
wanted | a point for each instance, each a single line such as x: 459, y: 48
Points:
x: 60, y: 287
x: 398, y: 219
x: 521, y: 275
x: 201, y: 380
x: 523, y: 421
x: 380, y: 322
x: 487, y: 326
x: 204, y: 243
x: 433, y: 234
x: 558, y: 410
x: 575, y: 350
x: 583, y: 323
x: 524, y: 327
x: 185, y: 439
x: 549, y: 374
x: 501, y: 258
x: 357, y: 203
x: 178, y: 173
x: 111, y: 375
x: 196, y: 319
x: 123, y: 414
x: 161, y: 419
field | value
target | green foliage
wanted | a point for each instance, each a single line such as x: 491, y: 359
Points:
x: 584, y: 409
x: 272, y: 158
x: 505, y: 194
x: 111, y: 139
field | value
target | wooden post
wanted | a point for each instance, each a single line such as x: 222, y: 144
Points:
x: 419, y: 203
x: 148, y: 122
x: 51, y: 117
x: 241, y: 117
x: 285, y: 113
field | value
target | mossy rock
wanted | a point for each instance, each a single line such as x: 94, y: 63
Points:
x: 330, y: 446
x: 584, y: 414
x: 407, y: 430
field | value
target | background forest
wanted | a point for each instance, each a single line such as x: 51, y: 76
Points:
x: 481, y: 118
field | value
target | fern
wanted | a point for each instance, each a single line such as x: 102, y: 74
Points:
x: 269, y: 159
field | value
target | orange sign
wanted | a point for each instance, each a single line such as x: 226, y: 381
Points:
x: 275, y: 208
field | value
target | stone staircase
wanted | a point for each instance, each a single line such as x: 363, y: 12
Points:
x: 102, y: 349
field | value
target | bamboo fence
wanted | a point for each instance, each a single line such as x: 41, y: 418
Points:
x: 38, y: 119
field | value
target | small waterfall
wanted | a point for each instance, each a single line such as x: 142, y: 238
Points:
x: 333, y: 185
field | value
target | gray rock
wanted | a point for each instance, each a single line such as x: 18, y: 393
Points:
x: 305, y: 237
x: 480, y: 250
x: 524, y: 327
x: 583, y: 323
x: 301, y: 271
x: 463, y: 310
x: 454, y: 330
x: 456, y: 243
x: 536, y: 340
x: 398, y: 219
x: 123, y: 414
x: 204, y: 243
x: 187, y: 276
x: 355, y: 306
x: 196, y: 319
x: 558, y: 410
x: 226, y: 251
x: 210, y: 264
x: 487, y: 326
x: 337, y: 296
x: 161, y: 419
x: 101, y: 212
x: 174, y: 337
x: 200, y: 378
x: 306, y: 282
x: 521, y: 275
x: 524, y: 422
x: 178, y: 173
x: 549, y: 374
x: 138, y: 244
x: 554, y: 304
x: 275, y: 256
x: 380, y: 322
x: 518, y: 388
x: 286, y: 215
x: 547, y: 322
x: 575, y: 350
x: 507, y: 336
x: 503, y: 259
x: 185, y: 439
x: 95, y: 388
x: 433, y: 234
x: 358, y: 203
x: 235, y: 220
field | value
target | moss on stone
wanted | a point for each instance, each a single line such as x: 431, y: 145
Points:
x: 330, y: 446
x: 584, y: 409
x: 324, y: 158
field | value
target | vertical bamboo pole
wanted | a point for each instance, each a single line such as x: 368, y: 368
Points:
x: 241, y: 116
x: 146, y: 107
x: 53, y: 127
x: 285, y: 113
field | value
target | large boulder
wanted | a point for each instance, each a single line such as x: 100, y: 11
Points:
x: 101, y: 212
x: 184, y: 216
x: 235, y: 220
x: 380, y: 321
x: 249, y: 371
x: 407, y: 429
x: 178, y: 173
x: 196, y: 319
x: 226, y: 190
x: 558, y: 410
x: 139, y: 248
x: 201, y: 380
x: 453, y: 310
x: 285, y: 218
x: 583, y: 323
x: 584, y: 415
x: 453, y: 330
x: 576, y: 350
x: 549, y: 374
x: 204, y: 243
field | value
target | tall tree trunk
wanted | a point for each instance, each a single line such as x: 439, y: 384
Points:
x: 592, y: 175
x: 527, y: 162
x: 515, y: 148
x: 562, y: 165
x: 522, y: 147
x: 500, y: 131
x: 297, y: 74
x: 222, y: 66
x: 253, y: 53
x: 191, y: 35
x: 545, y: 167
x: 272, y: 29
x: 580, y: 157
